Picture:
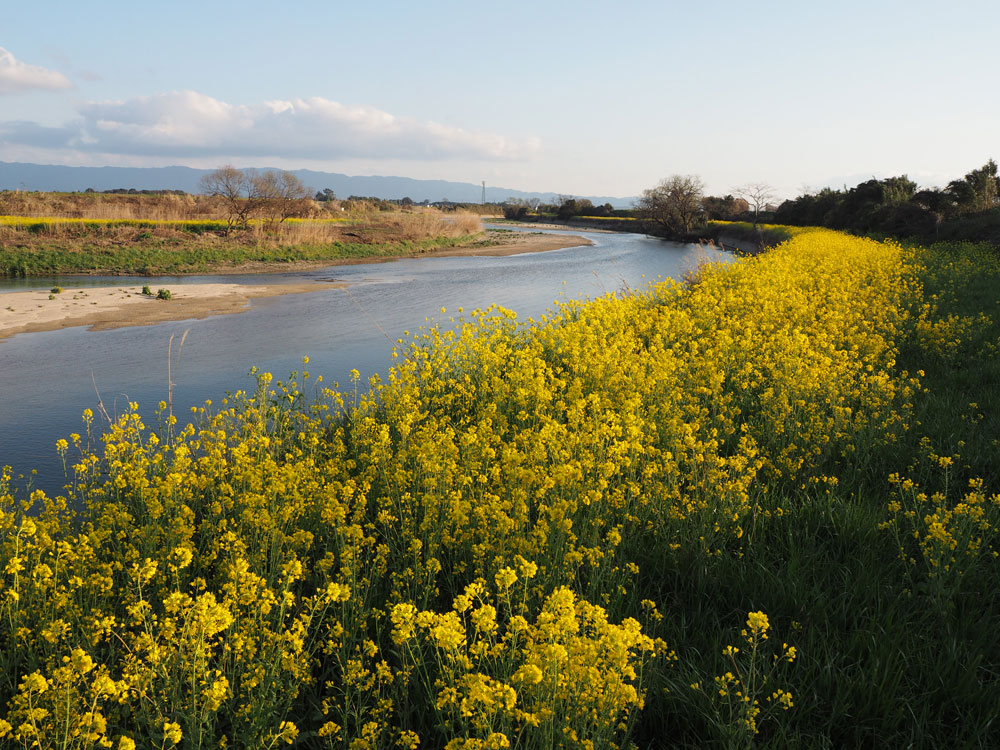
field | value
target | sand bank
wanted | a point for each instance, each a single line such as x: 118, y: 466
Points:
x: 119, y: 306
x: 515, y: 243
x: 529, y: 225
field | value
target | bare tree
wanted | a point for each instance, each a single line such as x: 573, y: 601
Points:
x: 247, y: 193
x: 674, y: 204
x: 282, y: 195
x: 757, y: 194
x: 238, y: 190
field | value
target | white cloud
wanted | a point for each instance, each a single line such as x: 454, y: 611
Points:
x: 17, y: 76
x: 187, y: 124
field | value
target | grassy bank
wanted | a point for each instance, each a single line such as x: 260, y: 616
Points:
x: 756, y: 509
x: 761, y: 236
x: 150, y: 258
x: 610, y: 223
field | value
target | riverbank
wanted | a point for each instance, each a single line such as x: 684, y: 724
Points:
x: 491, y: 243
x: 743, y: 238
x: 738, y: 238
x: 511, y: 242
x: 217, y: 255
x: 529, y: 225
x: 737, y: 245
x: 107, y: 307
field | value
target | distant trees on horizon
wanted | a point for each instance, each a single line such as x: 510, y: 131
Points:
x: 967, y: 208
x: 896, y: 205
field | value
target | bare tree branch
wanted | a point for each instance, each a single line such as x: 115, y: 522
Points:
x: 757, y: 194
x: 282, y: 196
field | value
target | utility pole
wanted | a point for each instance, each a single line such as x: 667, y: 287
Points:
x: 484, y: 192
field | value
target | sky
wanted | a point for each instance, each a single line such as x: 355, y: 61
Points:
x: 580, y: 98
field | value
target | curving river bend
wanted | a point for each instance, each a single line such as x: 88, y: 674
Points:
x: 48, y: 379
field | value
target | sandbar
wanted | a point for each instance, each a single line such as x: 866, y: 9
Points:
x: 529, y: 225
x: 515, y: 243
x: 107, y: 307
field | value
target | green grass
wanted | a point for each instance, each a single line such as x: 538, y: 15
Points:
x: 166, y: 258
x: 887, y: 659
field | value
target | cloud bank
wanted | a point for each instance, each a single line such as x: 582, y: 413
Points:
x: 189, y: 124
x: 16, y: 76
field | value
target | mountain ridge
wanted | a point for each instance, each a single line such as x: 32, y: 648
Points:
x: 61, y: 178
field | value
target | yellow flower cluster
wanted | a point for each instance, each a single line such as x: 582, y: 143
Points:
x: 945, y: 336
x: 736, y: 703
x: 568, y: 674
x: 457, y: 556
x: 943, y: 534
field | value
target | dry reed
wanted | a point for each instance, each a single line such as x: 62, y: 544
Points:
x: 116, y: 220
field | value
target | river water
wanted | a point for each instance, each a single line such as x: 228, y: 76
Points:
x: 48, y: 379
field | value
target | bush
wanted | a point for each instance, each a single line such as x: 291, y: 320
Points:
x: 163, y: 294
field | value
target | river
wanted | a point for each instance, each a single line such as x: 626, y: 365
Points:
x: 48, y: 379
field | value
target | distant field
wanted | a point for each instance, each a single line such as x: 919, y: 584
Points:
x: 188, y: 236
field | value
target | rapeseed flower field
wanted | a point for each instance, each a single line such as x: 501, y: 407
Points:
x: 756, y: 508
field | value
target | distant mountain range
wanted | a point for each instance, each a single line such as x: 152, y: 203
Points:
x: 53, y: 177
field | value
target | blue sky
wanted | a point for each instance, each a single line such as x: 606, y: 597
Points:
x: 582, y: 98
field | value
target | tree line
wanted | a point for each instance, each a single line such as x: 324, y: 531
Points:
x: 676, y: 207
x: 564, y: 207
x: 897, y: 206
x: 967, y: 208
